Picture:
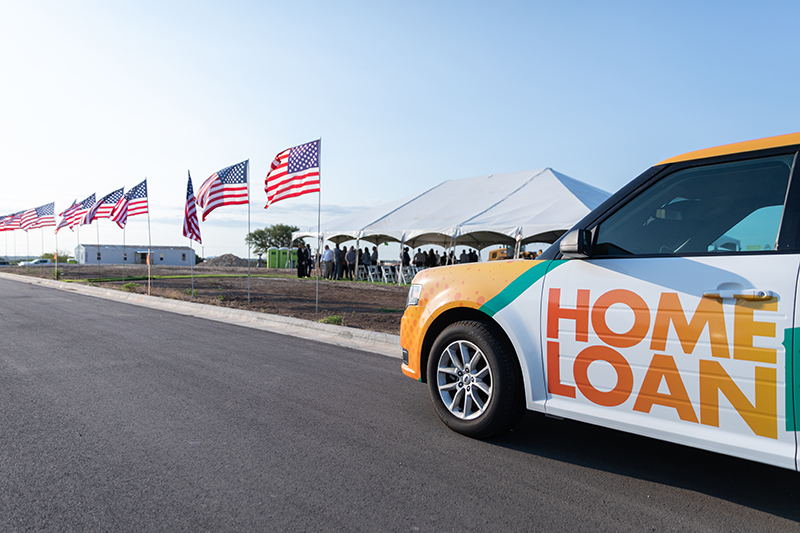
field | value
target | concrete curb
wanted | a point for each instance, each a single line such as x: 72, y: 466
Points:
x: 369, y: 341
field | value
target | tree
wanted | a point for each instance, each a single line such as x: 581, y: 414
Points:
x: 63, y: 255
x: 277, y: 235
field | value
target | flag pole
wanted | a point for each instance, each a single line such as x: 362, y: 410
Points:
x: 149, y: 241
x: 247, y: 178
x: 123, y: 253
x: 319, y: 225
x: 191, y: 263
x: 99, y: 275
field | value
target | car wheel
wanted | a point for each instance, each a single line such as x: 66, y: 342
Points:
x: 474, y: 380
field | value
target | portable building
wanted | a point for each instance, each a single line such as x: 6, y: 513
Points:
x: 114, y: 254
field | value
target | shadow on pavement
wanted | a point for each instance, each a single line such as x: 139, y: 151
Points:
x: 766, y: 488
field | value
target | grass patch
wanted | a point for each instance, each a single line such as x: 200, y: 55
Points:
x: 336, y: 320
x: 384, y: 310
x: 130, y: 287
x: 142, y: 278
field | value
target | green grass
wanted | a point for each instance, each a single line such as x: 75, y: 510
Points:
x: 130, y: 287
x: 142, y: 278
x: 336, y: 320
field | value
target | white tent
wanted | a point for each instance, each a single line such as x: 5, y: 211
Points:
x: 537, y: 205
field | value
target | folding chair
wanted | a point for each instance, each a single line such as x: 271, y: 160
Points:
x: 388, y: 274
x: 374, y: 273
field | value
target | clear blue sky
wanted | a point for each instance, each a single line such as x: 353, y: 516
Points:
x: 97, y: 95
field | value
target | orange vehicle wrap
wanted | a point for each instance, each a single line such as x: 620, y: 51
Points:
x: 487, y: 287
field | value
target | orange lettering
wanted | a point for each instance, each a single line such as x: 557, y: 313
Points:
x: 745, y: 328
x: 709, y: 311
x: 554, y: 384
x: 761, y: 417
x: 641, y: 321
x: 580, y: 315
x: 663, y: 367
x: 620, y: 392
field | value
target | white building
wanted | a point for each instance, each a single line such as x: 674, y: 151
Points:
x: 113, y: 254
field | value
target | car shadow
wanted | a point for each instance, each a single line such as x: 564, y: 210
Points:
x: 758, y: 486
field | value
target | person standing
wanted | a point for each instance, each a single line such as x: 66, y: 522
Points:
x: 302, y: 260
x: 350, y: 258
x: 406, y: 257
x: 338, y: 259
x: 374, y: 258
x: 327, y: 260
x: 419, y: 259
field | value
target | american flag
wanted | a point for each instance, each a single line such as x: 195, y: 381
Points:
x: 102, y: 208
x: 191, y: 228
x: 294, y: 172
x: 225, y: 187
x: 27, y: 219
x: 76, y: 216
x: 43, y: 216
x: 134, y: 202
x: 11, y: 222
x: 65, y: 214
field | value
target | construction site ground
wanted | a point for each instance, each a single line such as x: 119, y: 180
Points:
x: 364, y: 305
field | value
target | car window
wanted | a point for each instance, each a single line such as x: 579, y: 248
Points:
x: 727, y: 207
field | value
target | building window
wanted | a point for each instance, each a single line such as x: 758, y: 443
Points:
x: 98, y: 256
x: 183, y: 257
x: 160, y: 257
x: 125, y: 256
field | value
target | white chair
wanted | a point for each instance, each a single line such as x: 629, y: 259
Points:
x: 388, y: 274
x: 374, y: 273
x: 407, y: 274
x: 362, y: 273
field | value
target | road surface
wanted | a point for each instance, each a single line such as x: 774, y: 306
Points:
x: 121, y: 418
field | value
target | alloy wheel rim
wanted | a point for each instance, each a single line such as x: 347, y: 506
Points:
x: 464, y: 380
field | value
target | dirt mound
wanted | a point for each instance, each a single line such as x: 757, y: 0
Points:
x: 227, y: 260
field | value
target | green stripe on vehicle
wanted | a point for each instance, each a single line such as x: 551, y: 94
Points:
x: 790, y: 346
x: 518, y: 286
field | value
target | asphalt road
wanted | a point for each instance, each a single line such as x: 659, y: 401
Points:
x: 121, y: 418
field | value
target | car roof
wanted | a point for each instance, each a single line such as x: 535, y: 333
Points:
x: 735, y: 148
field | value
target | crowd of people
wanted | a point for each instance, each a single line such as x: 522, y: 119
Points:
x: 432, y: 258
x: 336, y: 263
x: 340, y: 263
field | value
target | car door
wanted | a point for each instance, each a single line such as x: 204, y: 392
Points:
x: 676, y: 322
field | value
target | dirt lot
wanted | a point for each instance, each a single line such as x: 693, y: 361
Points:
x: 370, y: 306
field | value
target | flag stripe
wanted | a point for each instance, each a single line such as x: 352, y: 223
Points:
x: 225, y: 187
x: 191, y: 227
x: 294, y: 172
x: 134, y: 202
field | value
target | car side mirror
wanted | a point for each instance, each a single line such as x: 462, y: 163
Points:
x: 575, y: 244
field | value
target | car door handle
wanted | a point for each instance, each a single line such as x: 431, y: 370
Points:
x: 750, y: 295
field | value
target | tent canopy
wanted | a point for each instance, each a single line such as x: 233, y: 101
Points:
x: 537, y: 206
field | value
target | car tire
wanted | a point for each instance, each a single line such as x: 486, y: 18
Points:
x: 474, y: 380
